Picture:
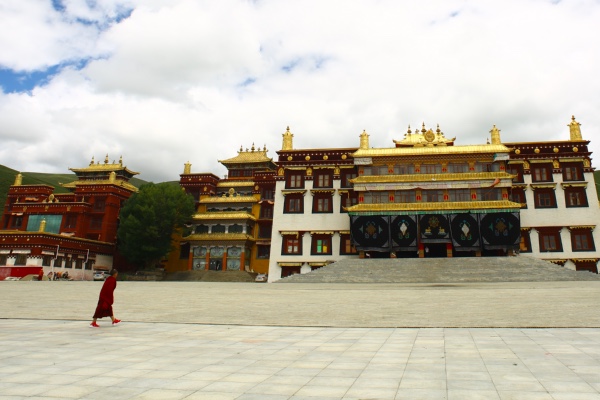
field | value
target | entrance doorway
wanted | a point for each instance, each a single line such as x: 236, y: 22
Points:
x: 435, y: 250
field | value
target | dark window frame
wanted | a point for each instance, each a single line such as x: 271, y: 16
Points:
x: 321, y: 241
x: 576, y: 197
x: 578, y: 245
x: 293, y: 204
x: 291, y: 245
x: 544, y: 198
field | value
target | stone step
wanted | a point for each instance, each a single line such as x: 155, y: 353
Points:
x: 442, y: 270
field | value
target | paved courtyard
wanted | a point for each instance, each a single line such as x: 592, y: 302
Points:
x: 518, y: 340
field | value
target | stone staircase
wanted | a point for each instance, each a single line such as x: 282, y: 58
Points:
x: 442, y: 270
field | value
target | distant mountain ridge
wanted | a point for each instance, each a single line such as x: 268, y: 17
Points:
x: 7, y: 178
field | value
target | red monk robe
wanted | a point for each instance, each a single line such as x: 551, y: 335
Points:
x: 105, y: 302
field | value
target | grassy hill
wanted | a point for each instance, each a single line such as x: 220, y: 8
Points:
x: 7, y: 178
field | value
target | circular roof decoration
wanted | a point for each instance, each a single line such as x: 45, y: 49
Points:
x: 344, y: 156
x: 325, y: 157
x: 575, y: 149
x: 429, y: 136
x: 307, y: 158
x: 536, y: 151
x: 517, y: 151
x: 555, y: 149
x: 290, y: 158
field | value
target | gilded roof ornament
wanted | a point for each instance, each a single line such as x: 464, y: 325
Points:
x: 495, y: 135
x: 364, y: 140
x: 424, y: 137
x: 187, y: 168
x: 575, y: 129
x: 287, y: 140
x: 18, y: 180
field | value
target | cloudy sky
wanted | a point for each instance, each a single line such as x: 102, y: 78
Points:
x: 162, y: 82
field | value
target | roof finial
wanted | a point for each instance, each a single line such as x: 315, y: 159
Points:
x: 495, y: 134
x: 364, y: 140
x: 106, y: 159
x: 423, y: 130
x: 92, y: 162
x: 287, y: 140
x: 409, y: 131
x: 252, y: 147
x: 575, y: 129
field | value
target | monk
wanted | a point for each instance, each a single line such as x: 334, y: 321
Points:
x: 105, y: 302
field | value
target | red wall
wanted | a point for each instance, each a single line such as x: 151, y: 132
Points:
x: 19, y: 272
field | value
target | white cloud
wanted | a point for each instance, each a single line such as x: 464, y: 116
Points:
x: 193, y: 80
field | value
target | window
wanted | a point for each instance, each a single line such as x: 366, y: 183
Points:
x: 294, y: 180
x: 346, y: 246
x: 404, y: 169
x: 266, y: 211
x: 291, y: 245
x: 376, y: 197
x: 541, y: 173
x: 263, y: 252
x: 95, y: 223
x: 78, y: 263
x: 404, y: 196
x: 518, y: 195
x: 348, y: 200
x: 432, y: 195
x: 21, y: 259
x: 458, y: 168
x: 69, y: 262
x: 431, y: 168
x: 550, y: 240
x: 323, y: 180
x: 3, y: 259
x: 58, y: 262
x: 346, y: 176
x: 575, y: 197
x: 322, y: 204
x: 267, y: 194
x: 572, y: 172
x: 321, y: 244
x: 516, y: 169
x: 99, y: 204
x: 293, y: 204
x: 489, y: 194
x: 71, y: 221
x: 17, y: 222
x: 582, y: 240
x: 460, y: 195
x: 544, y: 198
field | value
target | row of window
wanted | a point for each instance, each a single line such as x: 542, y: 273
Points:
x: 64, y: 262
x: 543, y: 172
x: 295, y: 179
x: 322, y: 203
x: 546, y: 197
x: 550, y: 240
x: 320, y: 245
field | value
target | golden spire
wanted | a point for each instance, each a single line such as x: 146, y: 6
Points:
x: 42, y: 225
x: 121, y: 161
x: 423, y: 130
x: 495, y: 135
x: 106, y: 159
x: 18, y: 180
x: 187, y: 168
x: 287, y: 140
x: 575, y: 129
x: 364, y: 140
x: 92, y: 162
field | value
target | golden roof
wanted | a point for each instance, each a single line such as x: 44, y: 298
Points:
x: 224, y: 215
x: 210, y: 237
x: 105, y: 167
x: 248, y: 156
x: 431, y: 151
x: 468, y: 176
x: 123, y: 184
x: 228, y: 199
x: 446, y: 205
x: 425, y: 137
x: 235, y: 184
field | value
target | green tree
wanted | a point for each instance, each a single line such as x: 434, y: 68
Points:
x: 148, y: 220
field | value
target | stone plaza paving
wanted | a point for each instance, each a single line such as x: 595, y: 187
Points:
x: 190, y: 340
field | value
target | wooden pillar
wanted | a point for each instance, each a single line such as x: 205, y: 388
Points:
x: 421, y: 250
x: 191, y: 259
x: 207, y: 260
x: 449, y: 250
x: 243, y: 260
x: 224, y: 261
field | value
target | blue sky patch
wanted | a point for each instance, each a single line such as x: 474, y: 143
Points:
x: 18, y: 82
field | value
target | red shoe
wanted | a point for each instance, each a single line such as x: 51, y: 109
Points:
x: 94, y: 325
x: 116, y: 321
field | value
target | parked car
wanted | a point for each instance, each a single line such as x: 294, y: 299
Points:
x: 261, y: 278
x: 99, y: 276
